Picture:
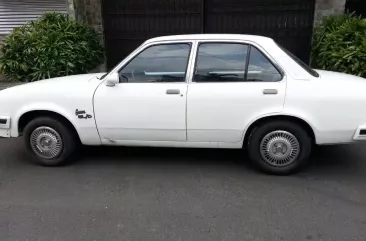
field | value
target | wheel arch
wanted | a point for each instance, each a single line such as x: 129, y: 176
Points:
x: 261, y: 120
x: 28, y: 116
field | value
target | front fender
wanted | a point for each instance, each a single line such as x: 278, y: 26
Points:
x: 40, y: 107
x: 86, y: 128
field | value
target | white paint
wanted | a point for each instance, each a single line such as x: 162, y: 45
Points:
x: 333, y: 104
x: 220, y: 111
x: 60, y: 95
x: 4, y: 133
x: 141, y: 111
x: 215, y: 115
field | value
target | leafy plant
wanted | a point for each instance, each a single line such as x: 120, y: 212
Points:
x: 339, y: 44
x: 54, y: 45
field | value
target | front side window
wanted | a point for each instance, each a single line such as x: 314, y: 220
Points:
x: 158, y: 63
x: 221, y: 62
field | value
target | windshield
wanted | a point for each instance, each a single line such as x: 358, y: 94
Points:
x: 300, y: 62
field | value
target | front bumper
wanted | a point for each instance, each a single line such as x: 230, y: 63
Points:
x: 360, y: 134
x: 4, y: 126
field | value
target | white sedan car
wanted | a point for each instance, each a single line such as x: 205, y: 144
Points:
x: 204, y: 91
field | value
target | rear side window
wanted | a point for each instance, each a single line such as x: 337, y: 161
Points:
x: 261, y: 69
x: 221, y: 62
x: 233, y: 62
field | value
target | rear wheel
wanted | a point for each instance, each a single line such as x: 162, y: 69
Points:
x: 279, y: 147
x: 49, y: 141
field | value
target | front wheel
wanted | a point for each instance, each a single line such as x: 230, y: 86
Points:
x: 49, y: 141
x: 279, y: 147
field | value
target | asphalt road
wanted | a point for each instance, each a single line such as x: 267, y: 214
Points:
x: 181, y: 194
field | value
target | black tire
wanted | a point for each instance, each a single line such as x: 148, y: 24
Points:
x: 68, y: 138
x: 260, y: 132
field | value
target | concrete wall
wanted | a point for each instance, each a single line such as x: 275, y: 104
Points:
x: 90, y: 12
x: 328, y: 7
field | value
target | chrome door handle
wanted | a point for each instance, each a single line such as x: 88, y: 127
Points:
x: 270, y: 92
x: 172, y: 92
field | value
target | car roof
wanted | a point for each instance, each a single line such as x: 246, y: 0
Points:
x: 253, y: 38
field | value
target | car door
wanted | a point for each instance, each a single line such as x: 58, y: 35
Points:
x: 149, y: 103
x: 233, y: 83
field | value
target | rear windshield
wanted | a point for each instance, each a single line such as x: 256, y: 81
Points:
x: 300, y: 62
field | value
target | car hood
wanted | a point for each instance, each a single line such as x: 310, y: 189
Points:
x: 60, y: 85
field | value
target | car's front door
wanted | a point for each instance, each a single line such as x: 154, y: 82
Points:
x: 149, y: 103
x: 233, y: 83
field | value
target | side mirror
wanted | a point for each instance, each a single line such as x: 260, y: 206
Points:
x: 112, y: 80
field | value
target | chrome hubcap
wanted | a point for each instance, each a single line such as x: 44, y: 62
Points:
x: 46, y: 142
x: 280, y: 148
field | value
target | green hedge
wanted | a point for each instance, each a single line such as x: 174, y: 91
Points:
x: 339, y: 44
x: 54, y: 45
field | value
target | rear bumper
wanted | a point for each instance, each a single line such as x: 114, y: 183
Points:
x: 5, y: 126
x: 360, y: 134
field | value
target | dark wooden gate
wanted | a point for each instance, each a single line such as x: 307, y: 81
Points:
x: 357, y: 7
x: 127, y: 23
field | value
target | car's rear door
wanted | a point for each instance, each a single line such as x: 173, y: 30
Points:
x: 233, y: 83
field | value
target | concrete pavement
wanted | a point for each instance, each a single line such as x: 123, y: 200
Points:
x: 181, y: 194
